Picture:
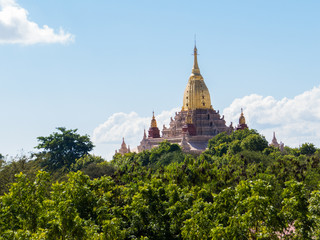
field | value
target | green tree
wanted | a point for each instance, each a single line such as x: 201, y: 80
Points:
x: 16, y: 165
x: 23, y: 205
x: 295, y: 209
x: 147, y: 212
x: 314, y: 209
x: 254, y: 143
x: 308, y: 149
x: 256, y: 209
x: 71, y: 208
x: 61, y: 149
x: 236, y: 142
x: 235, y: 147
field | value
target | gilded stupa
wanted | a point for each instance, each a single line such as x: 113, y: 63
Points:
x: 242, y: 122
x: 154, y: 130
x: 195, y: 124
x: 196, y: 95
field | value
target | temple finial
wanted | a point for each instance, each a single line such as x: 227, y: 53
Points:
x: 153, y: 121
x: 242, y: 119
x: 195, y: 69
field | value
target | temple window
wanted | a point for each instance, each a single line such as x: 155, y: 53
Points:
x: 203, y: 104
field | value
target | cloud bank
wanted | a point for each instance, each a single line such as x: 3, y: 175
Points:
x: 16, y: 28
x: 295, y: 121
x: 108, y: 136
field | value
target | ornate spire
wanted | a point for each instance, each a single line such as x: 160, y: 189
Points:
x: 242, y: 119
x: 274, y: 141
x: 123, y: 148
x: 195, y: 69
x: 242, y: 122
x: 123, y: 143
x: 144, y: 134
x: 196, y: 94
x: 153, y: 121
x: 154, y: 130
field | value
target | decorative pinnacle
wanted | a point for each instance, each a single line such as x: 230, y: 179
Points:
x: 195, y: 69
x: 153, y: 121
x: 242, y: 119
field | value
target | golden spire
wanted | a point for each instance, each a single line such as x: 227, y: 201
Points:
x: 196, y: 94
x: 195, y: 69
x: 153, y: 121
x: 242, y: 119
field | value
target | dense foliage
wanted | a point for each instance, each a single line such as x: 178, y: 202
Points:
x: 61, y: 149
x: 240, y: 188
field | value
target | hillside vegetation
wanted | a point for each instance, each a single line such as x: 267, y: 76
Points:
x: 240, y: 188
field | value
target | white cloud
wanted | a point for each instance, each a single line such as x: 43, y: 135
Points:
x: 15, y: 27
x: 108, y: 136
x: 295, y: 121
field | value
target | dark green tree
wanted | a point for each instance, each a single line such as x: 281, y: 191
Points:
x: 254, y: 143
x: 308, y: 149
x: 61, y: 149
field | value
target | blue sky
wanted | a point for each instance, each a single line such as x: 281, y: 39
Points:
x: 116, y: 58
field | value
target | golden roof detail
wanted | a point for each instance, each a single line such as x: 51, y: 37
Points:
x: 189, y: 118
x: 196, y: 94
x: 153, y: 121
x: 242, y: 119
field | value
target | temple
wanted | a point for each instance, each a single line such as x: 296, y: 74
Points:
x: 195, y: 124
x: 124, y: 149
x: 274, y: 143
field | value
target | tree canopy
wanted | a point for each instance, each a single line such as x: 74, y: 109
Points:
x: 62, y: 148
x: 240, y: 188
x: 308, y: 149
